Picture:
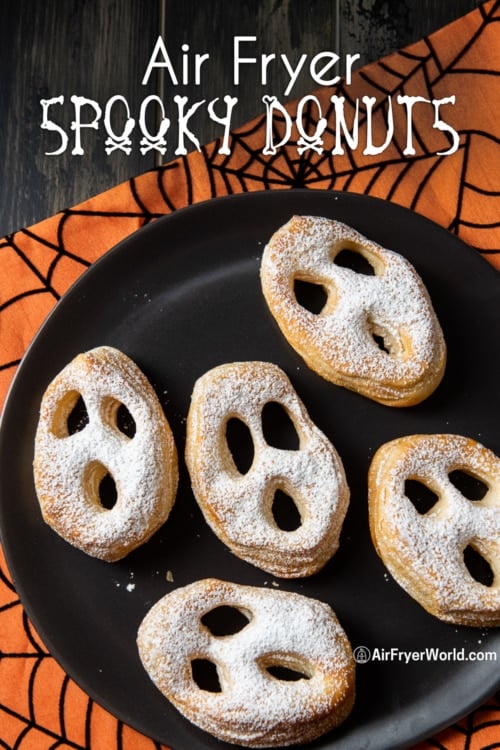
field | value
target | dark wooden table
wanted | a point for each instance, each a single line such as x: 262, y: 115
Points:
x: 100, y: 49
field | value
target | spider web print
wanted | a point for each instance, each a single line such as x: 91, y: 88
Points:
x: 40, y: 707
x: 431, y: 69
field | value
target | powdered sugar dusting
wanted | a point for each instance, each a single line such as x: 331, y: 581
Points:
x: 238, y: 507
x: 253, y: 707
x: 339, y: 342
x: 425, y: 552
x: 68, y: 468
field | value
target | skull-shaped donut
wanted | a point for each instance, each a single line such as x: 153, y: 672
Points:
x: 376, y: 333
x: 108, y: 483
x: 240, y: 505
x: 284, y: 675
x: 434, y: 505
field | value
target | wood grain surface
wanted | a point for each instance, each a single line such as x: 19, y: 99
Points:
x: 100, y: 48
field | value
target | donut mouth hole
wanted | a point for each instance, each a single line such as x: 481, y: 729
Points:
x: 239, y: 444
x: 286, y: 668
x: 108, y: 494
x: 278, y: 427
x: 478, y: 566
x: 310, y: 295
x: 381, y: 343
x: 116, y: 414
x: 205, y: 674
x: 422, y: 497
x: 355, y: 257
x: 386, y: 341
x: 226, y: 620
x: 70, y: 416
x: 469, y: 485
x: 100, y: 486
x: 285, y: 511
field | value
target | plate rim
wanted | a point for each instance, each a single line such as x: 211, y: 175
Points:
x: 95, y: 267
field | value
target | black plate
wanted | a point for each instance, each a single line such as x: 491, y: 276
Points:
x: 181, y: 296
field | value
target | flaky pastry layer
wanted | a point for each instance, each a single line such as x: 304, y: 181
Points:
x: 377, y: 333
x: 69, y: 468
x: 238, y: 507
x: 254, y: 706
x: 425, y: 551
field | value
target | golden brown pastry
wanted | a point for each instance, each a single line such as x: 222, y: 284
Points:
x: 69, y: 468
x: 239, y: 507
x: 377, y: 334
x: 424, y: 551
x: 250, y: 701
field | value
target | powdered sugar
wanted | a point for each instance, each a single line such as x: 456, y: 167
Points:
x: 238, y: 507
x: 69, y: 468
x: 253, y: 707
x: 425, y: 552
x: 339, y: 343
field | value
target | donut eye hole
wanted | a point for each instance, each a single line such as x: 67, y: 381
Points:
x: 125, y: 421
x: 118, y: 416
x: 204, y: 672
x: 310, y: 295
x: 285, y: 512
x: 70, y: 416
x: 78, y: 418
x: 278, y: 427
x: 468, y: 484
x: 478, y: 566
x: 421, y: 496
x: 240, y: 444
x: 354, y: 258
x: 225, y: 620
x: 285, y: 668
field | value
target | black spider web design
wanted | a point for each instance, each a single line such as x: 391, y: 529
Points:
x: 471, y: 727
x: 288, y: 169
x: 29, y: 728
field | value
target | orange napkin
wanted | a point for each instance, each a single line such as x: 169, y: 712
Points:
x: 40, y: 707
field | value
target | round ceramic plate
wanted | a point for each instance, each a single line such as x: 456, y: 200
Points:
x: 181, y: 296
